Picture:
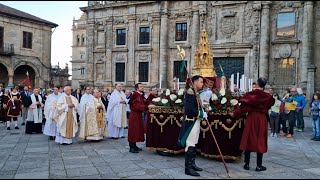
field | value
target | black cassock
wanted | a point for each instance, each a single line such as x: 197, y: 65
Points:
x: 31, y: 126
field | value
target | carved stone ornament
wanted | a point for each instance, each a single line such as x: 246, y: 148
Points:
x: 120, y: 57
x: 285, y: 51
x: 120, y: 21
x: 229, y: 25
x: 144, y: 57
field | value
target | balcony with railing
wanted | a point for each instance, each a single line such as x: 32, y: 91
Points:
x: 7, y: 49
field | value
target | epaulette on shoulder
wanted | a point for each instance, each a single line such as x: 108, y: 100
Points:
x: 190, y: 91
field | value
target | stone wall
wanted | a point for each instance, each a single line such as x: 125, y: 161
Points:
x: 39, y: 57
x: 236, y: 29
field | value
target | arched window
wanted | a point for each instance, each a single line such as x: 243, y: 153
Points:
x: 83, y: 40
x: 78, y: 40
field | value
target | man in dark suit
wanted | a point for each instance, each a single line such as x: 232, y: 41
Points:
x: 25, y: 95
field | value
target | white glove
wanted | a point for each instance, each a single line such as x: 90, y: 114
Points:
x: 205, y: 116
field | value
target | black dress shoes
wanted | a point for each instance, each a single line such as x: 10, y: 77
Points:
x: 246, y: 167
x: 16, y: 127
x: 8, y: 128
x: 23, y: 124
x: 261, y: 168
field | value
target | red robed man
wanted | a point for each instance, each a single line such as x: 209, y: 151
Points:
x: 255, y: 106
x: 135, y: 130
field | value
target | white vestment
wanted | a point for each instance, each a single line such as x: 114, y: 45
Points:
x: 35, y: 113
x: 116, y: 114
x: 61, y: 118
x: 84, y: 99
x: 93, y: 122
x: 50, y: 107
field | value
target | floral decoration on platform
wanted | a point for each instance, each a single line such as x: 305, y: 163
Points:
x: 223, y: 101
x: 169, y: 98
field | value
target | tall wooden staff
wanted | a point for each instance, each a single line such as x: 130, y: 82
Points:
x: 181, y: 54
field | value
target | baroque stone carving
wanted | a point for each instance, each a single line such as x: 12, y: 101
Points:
x: 285, y: 51
x: 211, y: 26
x: 229, y: 26
x: 119, y: 57
x: 120, y: 21
x: 182, y: 14
x: 144, y: 57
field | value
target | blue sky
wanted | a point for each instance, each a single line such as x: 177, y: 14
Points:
x: 285, y: 19
x: 59, y: 12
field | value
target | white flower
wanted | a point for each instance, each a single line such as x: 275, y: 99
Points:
x: 173, y: 97
x: 222, y: 92
x: 156, y: 99
x: 210, y: 108
x: 214, y: 97
x: 167, y: 92
x: 224, y: 100
x: 234, y: 102
x: 164, y: 101
x: 180, y: 92
x: 178, y: 101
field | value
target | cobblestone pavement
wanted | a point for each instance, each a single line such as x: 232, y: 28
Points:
x: 34, y: 156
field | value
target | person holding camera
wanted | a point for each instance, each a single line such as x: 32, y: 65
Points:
x: 314, y: 110
x: 290, y: 108
x: 275, y: 115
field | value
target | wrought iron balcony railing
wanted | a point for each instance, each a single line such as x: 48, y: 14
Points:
x: 7, y: 49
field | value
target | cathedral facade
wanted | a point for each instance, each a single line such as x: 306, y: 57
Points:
x: 136, y: 41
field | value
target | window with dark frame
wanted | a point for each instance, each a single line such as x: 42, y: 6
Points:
x: 286, y: 22
x: 285, y: 71
x: 78, y: 40
x: 176, y: 71
x: 181, y: 31
x: 27, y: 40
x: 144, y: 35
x: 143, y: 71
x: 121, y: 37
x: 120, y: 72
x: 1, y: 37
x: 82, y: 71
x: 82, y: 40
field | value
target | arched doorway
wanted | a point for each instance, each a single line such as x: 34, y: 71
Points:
x: 20, y: 75
x: 4, y: 78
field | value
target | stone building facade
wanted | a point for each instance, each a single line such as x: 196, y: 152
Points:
x: 275, y: 39
x: 60, y: 76
x: 25, y: 45
x: 79, y: 52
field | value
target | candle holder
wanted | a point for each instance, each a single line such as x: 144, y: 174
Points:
x: 238, y: 93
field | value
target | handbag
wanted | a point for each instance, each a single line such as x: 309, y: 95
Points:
x: 274, y: 114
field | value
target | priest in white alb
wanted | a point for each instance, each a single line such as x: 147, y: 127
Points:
x: 93, y: 122
x: 50, y: 106
x: 86, y: 97
x: 116, y: 113
x: 34, y: 117
x: 66, y: 117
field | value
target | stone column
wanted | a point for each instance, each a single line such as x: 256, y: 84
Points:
x: 90, y: 50
x: 131, y: 68
x: 10, y: 82
x: 310, y: 86
x: 195, y: 34
x: 154, y: 67
x: 307, y: 42
x: 164, y: 46
x: 264, y: 41
x: 109, y: 45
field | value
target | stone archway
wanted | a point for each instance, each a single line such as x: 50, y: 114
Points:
x: 4, y: 80
x: 20, y: 75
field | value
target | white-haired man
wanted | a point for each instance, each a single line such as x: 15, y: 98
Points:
x: 34, y: 118
x: 66, y: 116
x: 50, y: 106
x: 116, y: 113
x: 92, y: 124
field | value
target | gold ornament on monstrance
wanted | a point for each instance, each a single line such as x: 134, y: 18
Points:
x: 203, y: 58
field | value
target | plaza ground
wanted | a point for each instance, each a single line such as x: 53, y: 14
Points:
x: 34, y: 156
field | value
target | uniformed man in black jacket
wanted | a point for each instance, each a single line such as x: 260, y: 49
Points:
x: 25, y: 98
x: 190, y: 130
